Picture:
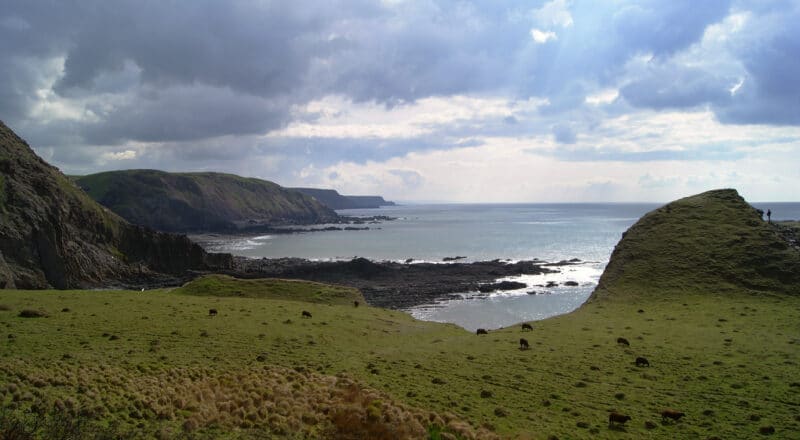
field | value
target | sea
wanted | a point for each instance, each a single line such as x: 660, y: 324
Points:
x: 478, y: 232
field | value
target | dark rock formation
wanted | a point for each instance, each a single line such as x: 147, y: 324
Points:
x: 502, y: 285
x: 52, y: 235
x: 390, y: 284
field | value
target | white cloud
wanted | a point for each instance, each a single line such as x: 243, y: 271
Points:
x: 542, y: 37
x: 531, y: 169
x: 554, y: 13
x: 338, y: 117
x: 605, y: 96
x: 120, y: 155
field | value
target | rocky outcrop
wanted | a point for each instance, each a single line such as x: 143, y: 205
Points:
x: 202, y: 202
x: 395, y: 285
x: 52, y: 235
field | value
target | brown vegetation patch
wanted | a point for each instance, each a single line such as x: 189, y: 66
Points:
x: 267, y: 399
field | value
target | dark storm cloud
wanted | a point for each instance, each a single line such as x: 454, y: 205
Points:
x: 187, y: 113
x: 770, y: 92
x: 767, y: 91
x: 665, y: 27
x: 187, y: 71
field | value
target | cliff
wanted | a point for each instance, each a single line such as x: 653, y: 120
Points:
x: 201, y: 202
x: 332, y: 199
x: 53, y: 235
x: 711, y: 242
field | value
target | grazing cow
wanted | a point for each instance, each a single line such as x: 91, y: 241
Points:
x: 355, y: 303
x: 623, y: 341
x: 212, y: 312
x: 671, y: 414
x: 481, y: 331
x: 766, y: 430
x: 526, y: 326
x: 642, y: 362
x: 523, y: 344
x: 305, y: 314
x: 617, y: 418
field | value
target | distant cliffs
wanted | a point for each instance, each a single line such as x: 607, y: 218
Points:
x: 332, y: 199
x: 201, y: 202
x: 52, y: 235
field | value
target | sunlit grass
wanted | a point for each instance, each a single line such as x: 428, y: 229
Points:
x: 156, y: 361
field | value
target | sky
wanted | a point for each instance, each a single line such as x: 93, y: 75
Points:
x: 485, y: 101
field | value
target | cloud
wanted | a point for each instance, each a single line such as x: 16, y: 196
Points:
x: 185, y: 113
x: 671, y: 86
x: 564, y: 134
x: 304, y: 87
x: 542, y: 37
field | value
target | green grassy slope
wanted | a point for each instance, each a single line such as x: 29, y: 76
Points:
x: 199, y: 201
x: 711, y: 241
x: 309, y: 291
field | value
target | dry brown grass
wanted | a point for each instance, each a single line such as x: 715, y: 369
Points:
x: 279, y: 401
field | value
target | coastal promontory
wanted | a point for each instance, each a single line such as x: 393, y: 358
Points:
x: 202, y: 202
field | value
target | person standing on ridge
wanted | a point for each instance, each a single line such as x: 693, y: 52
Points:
x: 769, y: 216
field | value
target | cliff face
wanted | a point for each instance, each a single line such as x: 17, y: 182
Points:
x: 201, y: 202
x: 708, y: 242
x: 332, y: 199
x: 53, y: 235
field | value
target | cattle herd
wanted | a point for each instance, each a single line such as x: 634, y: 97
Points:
x: 615, y: 419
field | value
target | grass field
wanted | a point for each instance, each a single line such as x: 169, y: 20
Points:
x: 143, y: 361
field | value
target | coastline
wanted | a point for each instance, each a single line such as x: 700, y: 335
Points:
x: 395, y: 285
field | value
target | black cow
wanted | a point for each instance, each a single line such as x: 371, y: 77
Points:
x: 526, y: 326
x: 623, y: 341
x: 642, y: 362
x: 481, y: 331
x: 617, y: 418
x: 523, y: 344
x: 305, y: 314
x: 212, y: 312
x: 671, y: 414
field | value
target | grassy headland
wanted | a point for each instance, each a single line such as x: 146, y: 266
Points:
x: 201, y: 202
x: 723, y: 351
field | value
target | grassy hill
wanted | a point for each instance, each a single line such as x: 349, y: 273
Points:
x: 712, y: 241
x: 155, y: 364
x: 201, y: 202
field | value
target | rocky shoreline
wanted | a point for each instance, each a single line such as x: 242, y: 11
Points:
x: 396, y: 285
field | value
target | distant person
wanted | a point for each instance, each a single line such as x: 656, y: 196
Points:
x: 769, y: 216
